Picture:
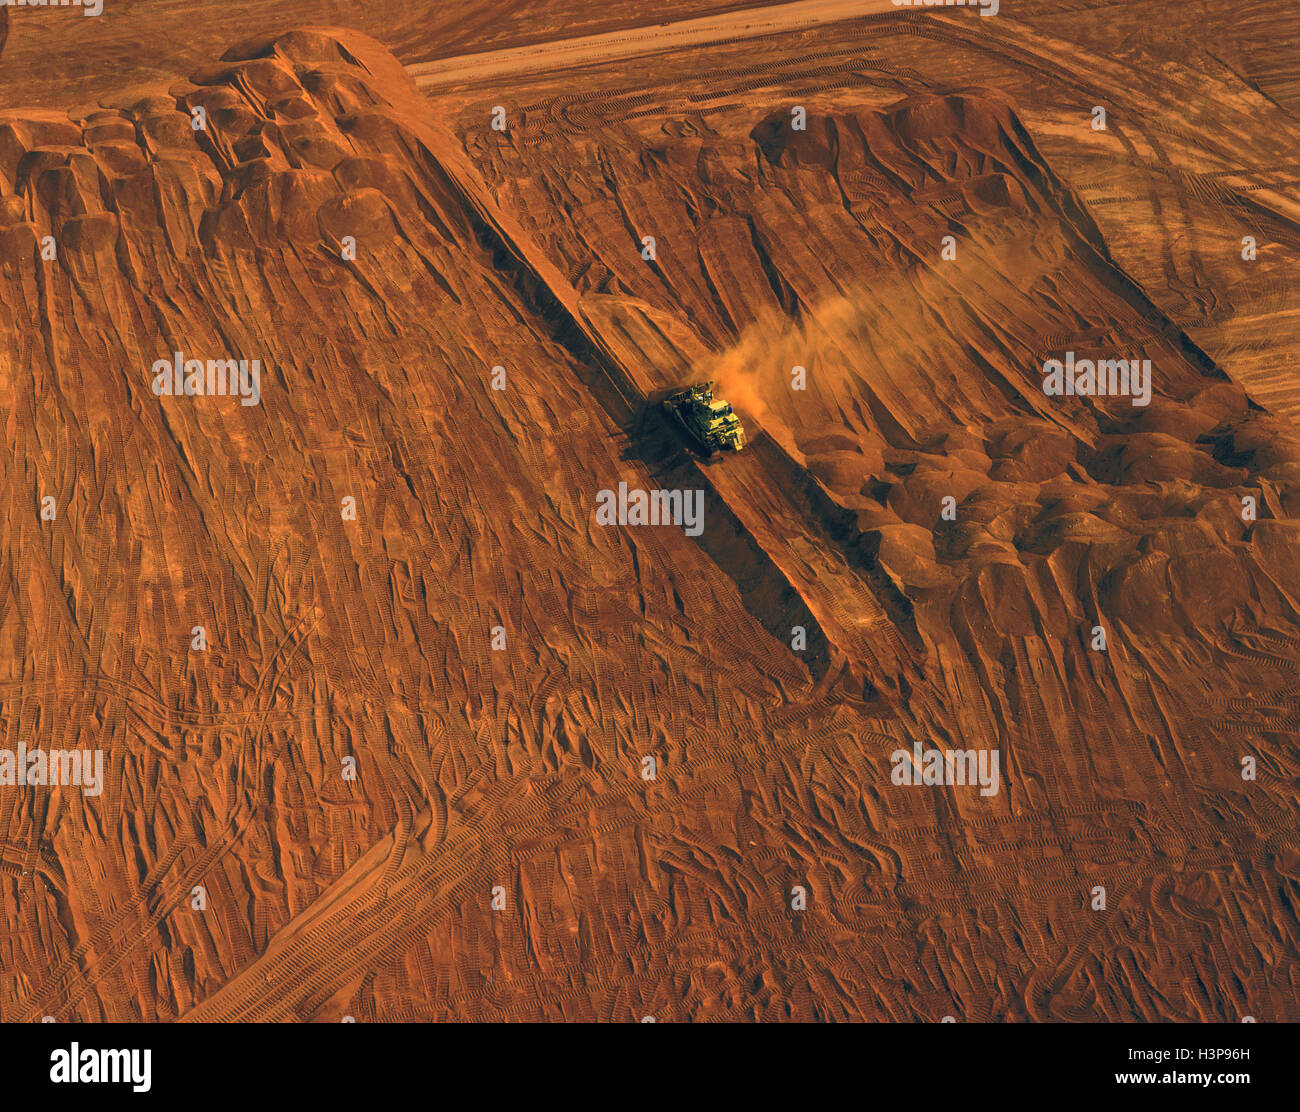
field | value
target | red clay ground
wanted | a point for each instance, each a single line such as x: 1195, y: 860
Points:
x: 497, y: 666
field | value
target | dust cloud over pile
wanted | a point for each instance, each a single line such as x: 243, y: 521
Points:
x: 846, y: 344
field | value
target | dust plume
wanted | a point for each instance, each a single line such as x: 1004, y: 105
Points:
x: 841, y: 337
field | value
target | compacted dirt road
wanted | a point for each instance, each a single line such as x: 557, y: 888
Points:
x: 632, y: 42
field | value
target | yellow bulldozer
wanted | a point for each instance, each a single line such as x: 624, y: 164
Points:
x: 710, y: 422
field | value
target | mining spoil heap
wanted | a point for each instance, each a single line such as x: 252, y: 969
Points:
x: 409, y: 769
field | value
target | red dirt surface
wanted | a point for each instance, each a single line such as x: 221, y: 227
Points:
x: 497, y: 666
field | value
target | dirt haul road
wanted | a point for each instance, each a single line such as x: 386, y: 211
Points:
x: 568, y: 53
